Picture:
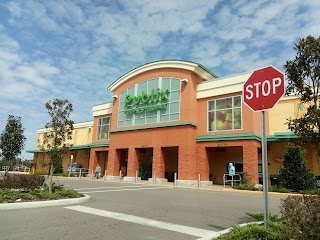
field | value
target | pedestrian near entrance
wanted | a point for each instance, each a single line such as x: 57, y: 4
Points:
x: 232, y: 170
x: 98, y: 170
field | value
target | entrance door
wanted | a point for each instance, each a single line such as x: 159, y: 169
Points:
x: 123, y: 161
x: 145, y: 156
x: 171, y: 162
x: 102, y: 160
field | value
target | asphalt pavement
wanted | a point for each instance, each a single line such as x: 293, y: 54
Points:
x: 135, y: 211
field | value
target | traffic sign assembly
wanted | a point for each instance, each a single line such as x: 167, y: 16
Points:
x: 261, y: 92
x: 263, y: 89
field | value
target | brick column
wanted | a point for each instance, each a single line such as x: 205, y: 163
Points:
x: 133, y: 162
x: 113, y: 163
x: 158, y: 164
x: 203, y: 163
x: 187, y: 167
x: 93, y: 162
x: 250, y: 160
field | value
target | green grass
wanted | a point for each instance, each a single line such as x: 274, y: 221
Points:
x: 58, y: 192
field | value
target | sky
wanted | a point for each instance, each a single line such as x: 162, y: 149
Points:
x: 74, y: 49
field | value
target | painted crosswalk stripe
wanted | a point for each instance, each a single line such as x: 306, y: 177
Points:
x: 145, y: 221
x: 130, y: 186
x: 124, y: 189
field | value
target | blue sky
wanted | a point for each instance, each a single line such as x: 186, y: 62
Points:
x: 74, y: 49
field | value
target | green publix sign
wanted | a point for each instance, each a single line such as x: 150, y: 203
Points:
x: 154, y: 97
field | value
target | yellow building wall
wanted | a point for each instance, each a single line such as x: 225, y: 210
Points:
x: 82, y: 136
x: 275, y: 155
x: 279, y: 114
x: 40, y: 160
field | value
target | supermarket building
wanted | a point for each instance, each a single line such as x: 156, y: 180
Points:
x: 178, y: 117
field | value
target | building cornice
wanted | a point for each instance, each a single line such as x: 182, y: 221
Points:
x: 191, y: 66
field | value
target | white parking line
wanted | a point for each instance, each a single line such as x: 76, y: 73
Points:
x: 145, y: 221
x: 131, y: 186
x: 126, y: 189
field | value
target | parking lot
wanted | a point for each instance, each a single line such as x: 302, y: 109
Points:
x: 135, y: 211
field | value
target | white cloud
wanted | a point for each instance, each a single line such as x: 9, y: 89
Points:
x: 15, y: 9
x: 75, y: 49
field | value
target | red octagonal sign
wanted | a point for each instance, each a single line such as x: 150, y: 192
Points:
x: 263, y: 89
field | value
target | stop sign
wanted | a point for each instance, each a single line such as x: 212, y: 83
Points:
x: 263, y: 89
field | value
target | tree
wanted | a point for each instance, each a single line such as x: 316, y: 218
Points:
x: 54, y: 141
x: 304, y: 81
x: 12, y: 138
x: 294, y: 173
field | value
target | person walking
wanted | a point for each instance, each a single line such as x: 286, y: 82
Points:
x: 232, y: 170
x: 98, y: 170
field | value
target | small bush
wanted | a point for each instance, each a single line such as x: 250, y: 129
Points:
x: 294, y: 173
x: 312, y: 192
x: 260, y: 217
x: 303, y: 217
x: 21, y: 181
x: 41, y: 173
x: 279, y: 189
x: 255, y: 231
x: 44, y: 194
x: 246, y: 179
x: 68, y: 193
x: 26, y: 196
x: 247, y: 187
x: 9, y: 196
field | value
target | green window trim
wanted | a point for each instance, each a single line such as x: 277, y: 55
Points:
x: 154, y: 126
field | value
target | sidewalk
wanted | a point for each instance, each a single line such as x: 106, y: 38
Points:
x: 215, y: 187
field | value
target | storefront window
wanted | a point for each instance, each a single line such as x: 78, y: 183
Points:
x: 224, y: 114
x: 103, y: 128
x: 151, y: 101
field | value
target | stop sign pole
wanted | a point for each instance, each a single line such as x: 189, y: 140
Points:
x: 261, y: 92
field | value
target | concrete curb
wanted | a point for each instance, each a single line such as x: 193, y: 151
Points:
x: 39, y: 204
x: 220, y: 233
x: 261, y: 192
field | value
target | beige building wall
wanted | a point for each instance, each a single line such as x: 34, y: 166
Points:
x: 279, y: 114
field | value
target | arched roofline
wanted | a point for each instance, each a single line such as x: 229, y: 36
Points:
x: 191, y: 66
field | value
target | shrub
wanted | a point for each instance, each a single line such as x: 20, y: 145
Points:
x: 303, y: 217
x: 44, y: 194
x: 279, y: 189
x: 294, y: 173
x: 255, y: 231
x: 41, y: 173
x: 312, y: 192
x: 68, y: 193
x: 21, y: 181
x: 248, y: 187
x: 246, y: 179
x: 260, y: 217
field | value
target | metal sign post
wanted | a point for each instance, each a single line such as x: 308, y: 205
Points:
x: 265, y: 169
x: 261, y: 92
